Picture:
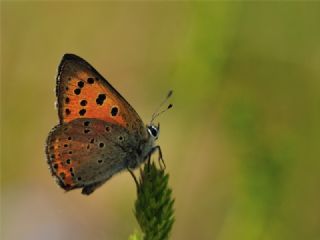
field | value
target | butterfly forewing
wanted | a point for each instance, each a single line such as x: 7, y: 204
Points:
x: 86, y: 152
x: 83, y: 93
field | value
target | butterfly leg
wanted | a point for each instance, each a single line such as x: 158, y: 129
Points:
x: 149, y: 162
x: 134, y: 177
x: 160, y: 158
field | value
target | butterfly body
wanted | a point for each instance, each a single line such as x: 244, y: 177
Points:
x: 99, y: 133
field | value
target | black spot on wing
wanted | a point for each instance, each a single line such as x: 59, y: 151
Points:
x: 90, y: 80
x: 114, y: 111
x: 100, y: 99
x: 77, y: 91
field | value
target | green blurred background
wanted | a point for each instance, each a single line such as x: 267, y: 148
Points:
x: 241, y: 144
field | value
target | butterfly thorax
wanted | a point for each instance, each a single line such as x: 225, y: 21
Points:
x: 145, y: 146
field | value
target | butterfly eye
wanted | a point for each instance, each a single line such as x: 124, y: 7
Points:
x: 153, y: 131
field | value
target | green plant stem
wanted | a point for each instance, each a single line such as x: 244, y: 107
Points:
x: 154, y: 205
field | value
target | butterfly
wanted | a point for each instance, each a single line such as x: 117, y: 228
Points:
x: 99, y: 134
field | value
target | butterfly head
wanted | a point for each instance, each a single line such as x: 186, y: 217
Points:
x: 153, y: 131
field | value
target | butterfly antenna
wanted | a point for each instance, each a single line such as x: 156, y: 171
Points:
x: 158, y: 112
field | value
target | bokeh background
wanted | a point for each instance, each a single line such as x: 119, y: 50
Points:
x: 241, y: 144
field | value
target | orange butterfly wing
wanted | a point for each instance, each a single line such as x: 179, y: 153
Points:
x: 83, y: 93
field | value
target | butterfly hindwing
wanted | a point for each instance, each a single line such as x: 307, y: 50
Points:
x: 83, y: 93
x: 84, y: 153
